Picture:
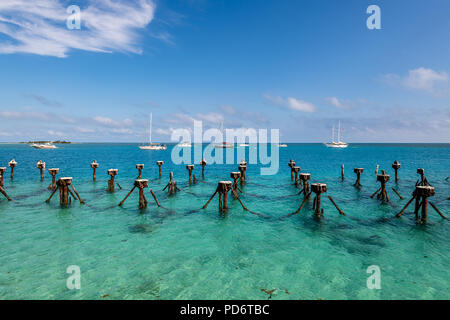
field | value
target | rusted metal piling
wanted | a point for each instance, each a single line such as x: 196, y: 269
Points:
x: 222, y: 189
x: 376, y: 170
x: 291, y: 165
x: 383, y: 178
x: 190, y: 167
x: 53, y: 172
x: 12, y: 164
x: 63, y: 185
x: 318, y: 189
x: 296, y: 171
x: 2, y: 191
x: 141, y: 184
x: 41, y: 166
x: 305, y: 177
x: 140, y: 167
x: 423, y: 180
x: 242, y: 169
x: 2, y: 172
x: 423, y: 192
x: 203, y: 164
x: 159, y: 163
x: 396, y: 165
x: 172, y: 185
x: 235, y: 176
x: 94, y: 166
x: 342, y: 172
x: 112, y: 173
x: 358, y: 172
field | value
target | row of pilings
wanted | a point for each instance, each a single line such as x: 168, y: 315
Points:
x: 423, y: 189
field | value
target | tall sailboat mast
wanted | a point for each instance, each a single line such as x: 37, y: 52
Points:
x: 339, y: 132
x: 150, y: 134
x: 332, y: 134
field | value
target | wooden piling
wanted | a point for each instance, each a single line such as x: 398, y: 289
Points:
x: 112, y: 173
x: 53, y: 172
x: 396, y: 165
x: 190, y: 167
x: 383, y: 179
x: 41, y: 166
x: 203, y: 164
x: 318, y: 189
x: 12, y: 164
x: 305, y: 177
x: 358, y: 172
x: 423, y: 192
x: 296, y: 171
x: 94, y: 166
x: 291, y: 165
x: 2, y: 172
x: 159, y: 163
x: 139, y: 167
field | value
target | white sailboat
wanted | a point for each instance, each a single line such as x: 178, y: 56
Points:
x: 223, y: 144
x: 338, y: 143
x: 153, y: 146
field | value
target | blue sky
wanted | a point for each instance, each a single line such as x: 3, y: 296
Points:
x: 299, y: 66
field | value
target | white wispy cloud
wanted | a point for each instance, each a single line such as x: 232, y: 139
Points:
x: 344, y: 104
x: 291, y: 103
x: 39, y: 27
x: 422, y: 79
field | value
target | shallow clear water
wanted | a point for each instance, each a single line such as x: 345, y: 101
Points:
x: 185, y: 253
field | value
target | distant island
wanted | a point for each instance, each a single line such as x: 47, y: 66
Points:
x: 54, y: 142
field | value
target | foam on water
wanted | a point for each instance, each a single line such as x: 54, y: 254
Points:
x: 181, y: 252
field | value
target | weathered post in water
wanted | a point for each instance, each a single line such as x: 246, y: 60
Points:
x: 235, y: 176
x: 358, y: 172
x: 383, y: 178
x: 53, y: 172
x: 41, y: 166
x: 203, y: 164
x: 94, y: 166
x: 159, y: 163
x: 305, y: 177
x: 2, y: 172
x: 423, y: 192
x: 63, y: 185
x: 296, y: 171
x: 190, y: 167
x: 112, y: 173
x: 396, y: 165
x: 318, y: 189
x: 140, y: 167
x: 291, y: 165
x: 12, y: 164
x: 342, y: 172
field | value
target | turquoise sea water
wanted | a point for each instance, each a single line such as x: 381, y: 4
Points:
x: 185, y: 253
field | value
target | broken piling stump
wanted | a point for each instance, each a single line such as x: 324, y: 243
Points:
x: 159, y: 163
x: 423, y: 192
x: 342, y: 172
x: 94, y: 166
x: 12, y: 164
x: 172, y: 185
x: 358, y: 172
x: 396, y: 165
x: 112, y: 173
x: 53, y: 172
x: 41, y: 166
